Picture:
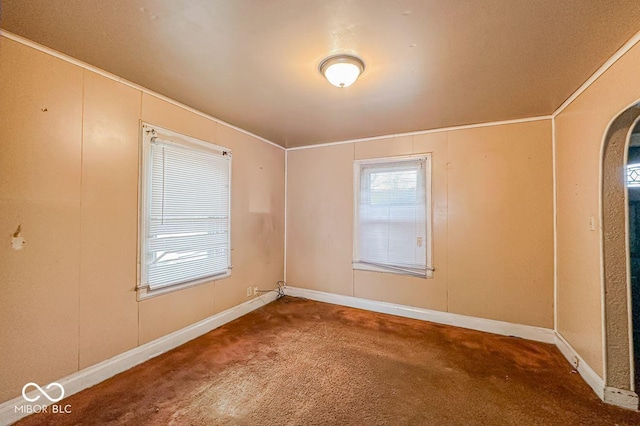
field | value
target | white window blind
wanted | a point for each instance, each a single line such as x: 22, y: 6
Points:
x: 392, y: 214
x: 187, y: 206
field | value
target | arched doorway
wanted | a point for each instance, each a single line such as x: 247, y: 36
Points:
x: 620, y: 371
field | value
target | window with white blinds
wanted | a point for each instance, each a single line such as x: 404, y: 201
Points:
x: 392, y: 215
x: 186, y: 210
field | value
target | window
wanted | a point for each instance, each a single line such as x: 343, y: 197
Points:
x: 392, y: 215
x: 633, y: 175
x: 185, y: 215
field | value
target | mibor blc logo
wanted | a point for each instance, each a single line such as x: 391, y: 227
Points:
x: 53, y: 392
x: 42, y: 391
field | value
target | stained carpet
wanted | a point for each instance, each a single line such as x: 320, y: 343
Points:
x: 299, y: 362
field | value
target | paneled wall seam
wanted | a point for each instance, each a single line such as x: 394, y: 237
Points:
x: 84, y: 72
x: 555, y: 225
x: 353, y: 272
x: 138, y: 221
x: 447, y: 204
x: 286, y: 197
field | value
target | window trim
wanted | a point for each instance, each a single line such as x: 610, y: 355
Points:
x: 357, y: 167
x: 144, y: 185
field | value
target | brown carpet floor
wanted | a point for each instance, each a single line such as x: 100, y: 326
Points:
x: 299, y: 362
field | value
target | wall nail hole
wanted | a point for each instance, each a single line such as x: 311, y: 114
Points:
x: 17, y: 241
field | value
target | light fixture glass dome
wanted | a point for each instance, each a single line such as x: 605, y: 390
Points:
x: 342, y: 70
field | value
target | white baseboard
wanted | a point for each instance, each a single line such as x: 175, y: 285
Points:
x: 97, y: 373
x: 591, y: 377
x: 618, y: 397
x: 621, y: 398
x: 528, y: 332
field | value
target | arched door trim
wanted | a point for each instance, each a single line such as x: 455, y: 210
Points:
x: 615, y: 269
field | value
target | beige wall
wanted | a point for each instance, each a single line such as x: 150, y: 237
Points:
x: 492, y: 222
x: 580, y: 130
x: 69, y: 176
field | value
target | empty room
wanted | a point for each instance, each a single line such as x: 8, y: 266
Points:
x: 319, y: 212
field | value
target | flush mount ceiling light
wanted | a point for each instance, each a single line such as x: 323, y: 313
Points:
x: 341, y: 70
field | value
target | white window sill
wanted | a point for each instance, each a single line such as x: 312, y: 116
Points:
x: 146, y: 293
x: 367, y: 267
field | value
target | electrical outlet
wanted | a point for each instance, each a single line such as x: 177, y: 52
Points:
x: 255, y: 290
x: 249, y: 292
x: 592, y: 223
x: 576, y: 362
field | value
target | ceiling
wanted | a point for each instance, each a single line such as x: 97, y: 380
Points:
x: 254, y: 63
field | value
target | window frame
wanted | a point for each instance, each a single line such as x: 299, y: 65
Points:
x: 357, y: 169
x: 147, y: 131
